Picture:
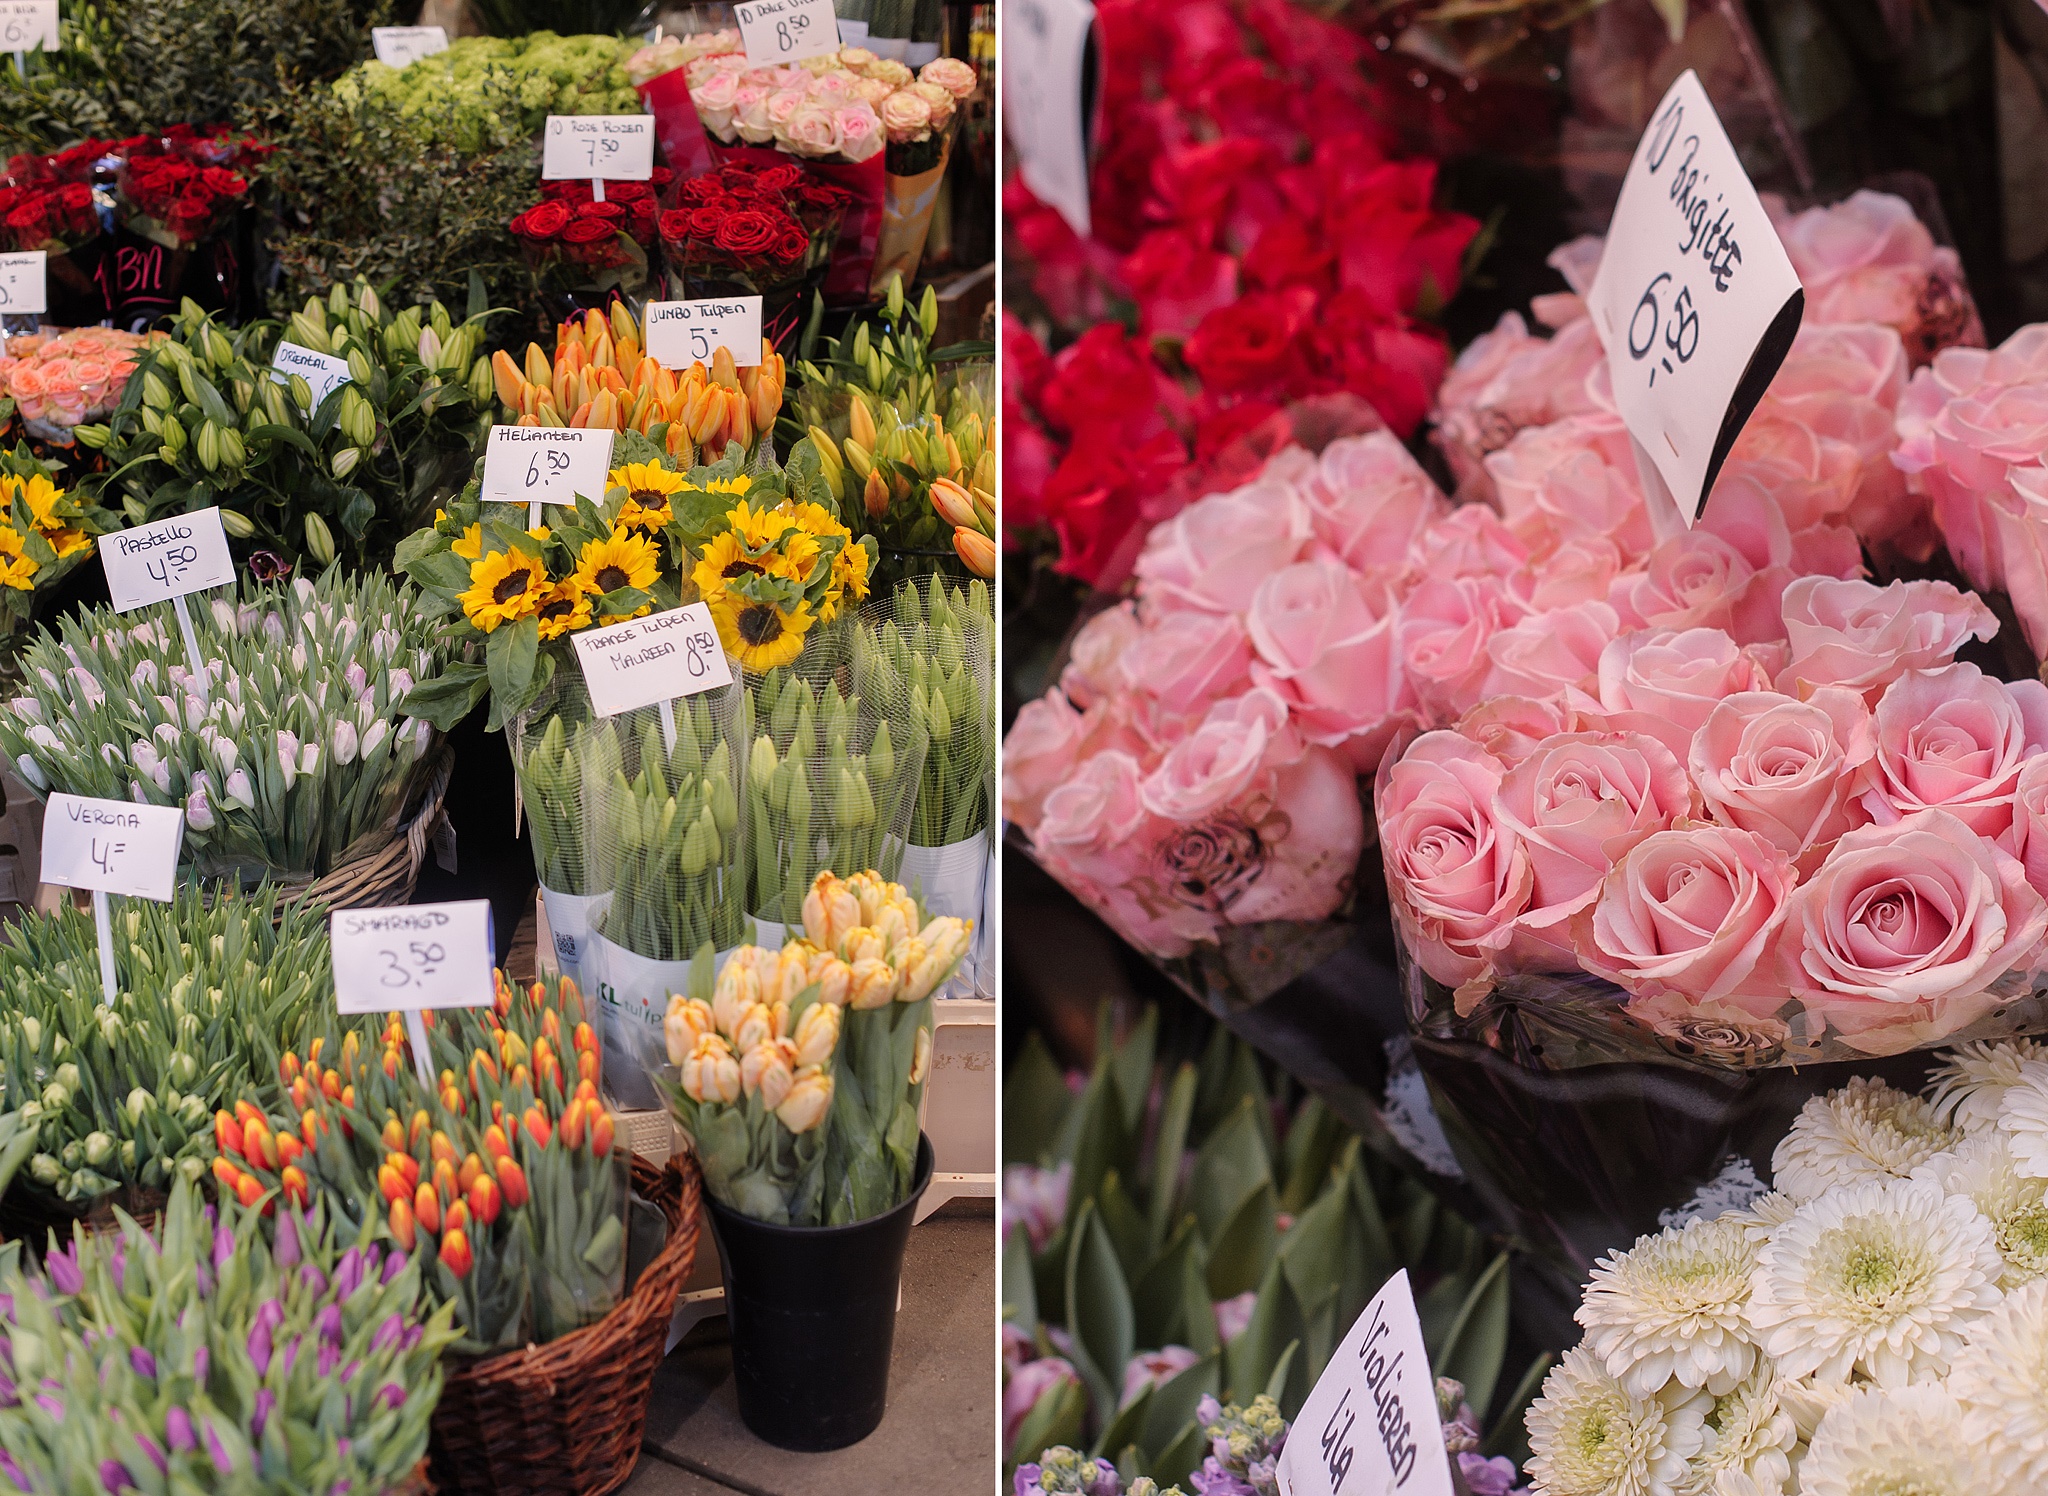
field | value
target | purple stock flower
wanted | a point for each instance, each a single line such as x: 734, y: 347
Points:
x: 1025, y: 1482
x: 1213, y: 1480
x: 389, y: 1334
x: 154, y: 1450
x: 178, y: 1429
x: 348, y: 1273
x: 1487, y: 1477
x: 259, y: 1347
x: 266, y: 1404
x: 143, y: 1363
x: 63, y: 1269
x: 115, y: 1477
x: 287, y: 1247
x: 392, y: 1396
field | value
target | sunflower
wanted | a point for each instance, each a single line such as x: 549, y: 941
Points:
x: 815, y: 519
x: 758, y: 528
x: 565, y: 609
x: 471, y: 546
x: 760, y: 635
x: 737, y: 485
x: 15, y: 568
x: 725, y: 558
x: 648, y: 486
x: 621, y: 560
x: 504, y: 587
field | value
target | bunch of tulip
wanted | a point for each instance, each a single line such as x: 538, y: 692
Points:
x: 889, y: 422
x: 214, y: 1354
x: 501, y: 1178
x: 801, y: 1069
x: 296, y: 745
x: 97, y: 1096
x: 599, y: 377
x: 770, y: 574
x: 206, y: 421
x: 932, y: 656
x: 828, y: 785
x: 45, y: 532
x: 551, y: 766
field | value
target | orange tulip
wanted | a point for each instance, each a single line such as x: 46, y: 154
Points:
x: 485, y: 1198
x: 330, y: 1085
x: 602, y: 1130
x: 456, y: 1217
x: 573, y: 1123
x: 586, y: 1067
x: 296, y: 1189
x: 426, y: 1207
x: 301, y: 1093
x: 245, y: 1111
x: 227, y: 1133
x: 401, y: 1224
x: 258, y: 1146
x: 495, y: 1142
x: 419, y: 1125
x: 976, y: 550
x: 391, y: 1184
x: 249, y: 1189
x: 584, y: 1039
x: 444, y: 1178
x: 455, y: 1254
x: 438, y: 1147
x: 311, y: 1125
x: 289, y: 1148
x: 512, y: 1179
x: 467, y: 1174
x: 586, y: 1091
x: 537, y: 1128
x: 288, y: 1067
x: 407, y: 1167
x: 225, y: 1174
x: 394, y: 1134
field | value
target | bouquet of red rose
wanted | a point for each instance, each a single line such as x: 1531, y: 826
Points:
x: 748, y: 228
x: 50, y: 215
x: 178, y: 202
x: 573, y: 243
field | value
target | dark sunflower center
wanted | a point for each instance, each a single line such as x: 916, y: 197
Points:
x: 759, y: 624
x: 739, y: 566
x: 611, y: 578
x: 560, y: 607
x: 513, y: 584
x: 648, y: 498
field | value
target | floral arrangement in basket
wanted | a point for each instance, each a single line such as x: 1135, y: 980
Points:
x: 58, y: 381
x: 750, y: 228
x: 217, y: 1352
x: 1877, y: 1322
x: 574, y: 243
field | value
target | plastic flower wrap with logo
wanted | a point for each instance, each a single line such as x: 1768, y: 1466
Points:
x: 801, y: 1070
x: 58, y: 381
x: 297, y: 750
x: 107, y: 1104
x: 220, y: 1351
x: 502, y: 1181
x: 47, y: 533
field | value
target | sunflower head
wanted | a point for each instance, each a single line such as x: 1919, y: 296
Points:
x: 758, y: 529
x: 648, y: 486
x: 761, y: 632
x: 504, y: 587
x: 565, y: 609
x: 471, y: 546
x: 622, y: 559
x: 815, y: 519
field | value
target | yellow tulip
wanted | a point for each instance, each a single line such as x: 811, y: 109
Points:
x: 831, y: 976
x: 809, y: 1099
x: 830, y: 910
x: 738, y: 991
x: 921, y: 1057
x: 755, y: 1025
x: 769, y: 1069
x: 710, y: 1073
x: 935, y: 952
x: 863, y: 943
x: 817, y: 1033
x: 688, y: 1020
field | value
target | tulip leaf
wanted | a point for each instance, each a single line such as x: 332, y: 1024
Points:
x: 1312, y: 1251
x: 1478, y: 1339
x: 1438, y: 1309
x: 1131, y: 1061
x: 1174, y: 1401
x: 1101, y: 1143
x: 1313, y: 1138
x: 1098, y: 1309
x: 1213, y: 1098
x: 1125, y: 1226
x: 1276, y: 1384
x: 1123, y: 1428
x: 1510, y: 1436
x: 1198, y: 1312
x: 450, y: 696
x: 1245, y: 1246
x: 1056, y: 1418
x: 1251, y: 1357
x: 1156, y: 1292
x: 1369, y: 1226
x: 1171, y: 1144
x: 1415, y: 1227
x: 1232, y: 1164
x: 1020, y: 1299
x: 1172, y: 1465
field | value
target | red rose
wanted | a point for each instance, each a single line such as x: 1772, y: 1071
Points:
x: 588, y: 231
x: 28, y: 217
x: 675, y: 225
x: 780, y: 178
x: 1177, y: 281
x: 791, y: 246
x: 626, y: 192
x: 747, y: 232
x: 75, y: 197
x: 660, y: 179
x: 224, y: 183
x: 610, y: 212
x: 1251, y: 341
x: 704, y: 222
x: 823, y: 195
x: 543, y: 220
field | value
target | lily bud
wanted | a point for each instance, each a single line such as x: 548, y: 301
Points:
x: 875, y: 494
x: 860, y: 421
x: 954, y: 504
x: 344, y: 461
x: 319, y: 539
x: 976, y: 551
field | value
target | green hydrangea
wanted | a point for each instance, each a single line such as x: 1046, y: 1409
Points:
x: 460, y: 97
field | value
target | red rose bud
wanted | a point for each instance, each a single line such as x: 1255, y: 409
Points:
x: 485, y: 1199
x: 401, y: 1224
x: 227, y: 1133
x: 455, y: 1253
x: 426, y: 1208
x: 512, y: 1180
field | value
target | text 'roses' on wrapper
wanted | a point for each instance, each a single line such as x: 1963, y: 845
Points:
x: 111, y: 846
x: 411, y: 958
x: 538, y: 465
x: 775, y: 32
x: 1045, y: 111
x: 1695, y: 302
x: 651, y: 661
x: 682, y: 333
x: 1370, y: 1427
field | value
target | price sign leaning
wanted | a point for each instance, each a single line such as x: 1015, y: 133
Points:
x: 166, y: 559
x: 778, y: 31
x: 545, y: 464
x: 24, y: 283
x: 1695, y: 299
x: 26, y: 25
x: 1044, y: 44
x: 681, y: 333
x: 607, y: 147
x: 112, y: 846
x: 414, y: 956
x: 656, y: 658
x: 402, y: 46
x: 323, y: 371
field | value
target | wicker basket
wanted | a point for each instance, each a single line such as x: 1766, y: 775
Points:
x: 383, y: 868
x: 565, y: 1418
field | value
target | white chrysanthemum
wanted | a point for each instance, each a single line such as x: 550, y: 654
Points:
x: 1968, y: 1085
x: 1765, y: 1214
x: 1588, y: 1437
x: 1865, y: 1131
x: 1808, y: 1400
x: 1747, y: 1433
x: 1983, y: 1171
x: 1884, y: 1279
x: 1900, y: 1441
x: 1673, y: 1309
x: 2023, y: 1118
x: 2001, y: 1379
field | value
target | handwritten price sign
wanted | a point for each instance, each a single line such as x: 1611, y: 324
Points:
x: 26, y: 25
x: 1695, y: 299
x: 322, y: 371
x: 536, y: 465
x: 647, y: 660
x: 779, y: 31
x: 168, y: 559
x: 598, y: 147
x: 402, y: 46
x: 414, y: 957
x: 112, y: 846
x: 682, y: 333
x: 24, y: 283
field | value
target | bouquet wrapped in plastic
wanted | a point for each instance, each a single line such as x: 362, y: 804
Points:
x: 585, y: 248
x: 61, y: 380
x: 751, y: 228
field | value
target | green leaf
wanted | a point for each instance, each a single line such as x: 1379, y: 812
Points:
x: 1100, y: 1142
x: 1167, y: 1149
x: 1416, y: 1226
x: 1312, y: 1251
x: 1098, y: 1310
x: 1156, y: 1300
x: 1125, y: 1226
x: 1249, y: 1360
x: 1123, y: 1428
x: 1510, y: 1436
x: 1056, y: 1418
x: 1231, y: 1165
x: 1368, y: 1223
x: 1132, y: 1062
x: 1174, y: 1401
x: 1198, y: 1312
x: 479, y: 300
x: 1020, y: 1296
x: 1276, y: 1384
x: 288, y: 434
x: 450, y: 696
x: 1244, y: 1246
x: 443, y: 570
x: 1313, y: 1138
x: 509, y: 656
x: 1173, y: 1464
x: 1478, y: 1338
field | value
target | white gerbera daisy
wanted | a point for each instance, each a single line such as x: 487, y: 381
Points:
x: 1865, y: 1131
x: 1884, y: 1279
x: 1971, y: 1080
x: 1900, y: 1441
x: 1588, y: 1437
x: 1673, y: 1309
x: 2023, y: 1118
x: 1746, y: 1433
x: 1982, y: 1170
x: 2001, y: 1379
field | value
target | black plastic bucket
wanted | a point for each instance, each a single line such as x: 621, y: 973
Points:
x: 812, y: 1312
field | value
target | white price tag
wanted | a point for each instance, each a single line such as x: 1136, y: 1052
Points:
x: 1695, y: 299
x: 402, y: 46
x: 26, y: 25
x: 779, y: 31
x: 601, y: 147
x: 1370, y: 1427
x: 113, y: 846
x: 536, y: 465
x: 656, y: 658
x: 414, y: 956
x: 323, y: 371
x: 24, y: 283
x: 682, y: 333
x: 166, y: 559
x: 1044, y: 43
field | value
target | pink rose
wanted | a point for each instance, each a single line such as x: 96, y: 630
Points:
x: 1842, y: 385
x: 1470, y: 541
x: 860, y: 131
x: 1445, y: 626
x: 1513, y: 727
x: 1039, y: 752
x: 1310, y: 827
x: 1573, y: 479
x: 782, y: 105
x: 1578, y: 571
x: 1868, y: 259
x: 714, y: 103
x: 1666, y: 684
x: 1097, y: 809
x: 1505, y: 381
x: 1458, y: 880
x: 2030, y: 822
x: 2018, y: 517
x: 1789, y: 771
x: 1694, y: 580
x: 1371, y: 501
x: 1897, y: 940
x: 1094, y: 669
x: 1214, y: 554
x: 905, y: 117
x: 811, y: 130
x: 1955, y: 740
x: 750, y: 114
x: 1218, y: 762
x: 1691, y: 912
x: 1552, y: 652
x: 1865, y: 637
x: 1188, y: 660
x: 1578, y: 804
x: 1327, y: 640
x: 1096, y: 836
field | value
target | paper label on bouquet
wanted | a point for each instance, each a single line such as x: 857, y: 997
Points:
x: 1695, y: 298
x: 323, y: 371
x: 1044, y: 44
x: 169, y: 558
x: 414, y: 956
x: 402, y: 46
x: 682, y: 333
x: 1370, y: 1427
x: 28, y: 24
x: 613, y: 147
x: 647, y: 660
x: 24, y: 283
x: 115, y: 846
x: 535, y: 465
x: 778, y: 31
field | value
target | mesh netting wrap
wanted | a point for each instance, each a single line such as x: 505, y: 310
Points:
x: 550, y: 742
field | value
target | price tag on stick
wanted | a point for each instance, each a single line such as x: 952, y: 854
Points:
x: 323, y: 371
x: 166, y: 560
x: 775, y: 32
x: 28, y: 25
x: 1044, y: 45
x: 24, y: 283
x: 598, y: 148
x: 682, y: 333
x: 652, y: 660
x: 537, y: 465
x: 412, y: 958
x: 111, y: 846
x: 402, y: 46
x: 1370, y: 1427
x: 1695, y: 301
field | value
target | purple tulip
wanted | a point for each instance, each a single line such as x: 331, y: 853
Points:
x: 62, y: 1266
x: 115, y: 1477
x: 9, y: 1393
x: 392, y: 1396
x: 270, y: 1314
x: 389, y: 1334
x: 330, y: 1357
x: 290, y: 1355
x: 155, y: 1451
x: 266, y: 1404
x: 143, y: 1363
x: 51, y: 1405
x: 394, y: 1265
x: 259, y: 1347
x: 329, y: 1324
x: 348, y: 1273
x: 178, y: 1429
x: 223, y: 1461
x: 212, y: 1215
x: 287, y: 1247
x: 223, y: 1245
x: 118, y: 1261
x: 313, y: 1279
x: 6, y: 1306
x: 205, y: 1280
x: 413, y: 1336
x: 202, y: 1363
x: 12, y: 1471
x: 348, y: 1372
x: 373, y: 1261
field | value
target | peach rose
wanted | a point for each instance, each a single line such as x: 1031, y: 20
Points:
x: 950, y: 73
x: 1458, y: 879
x: 1955, y: 740
x: 1327, y: 642
x: 1691, y: 912
x: 1791, y: 771
x: 714, y: 103
x: 860, y: 131
x: 1370, y: 501
x: 1214, y: 554
x: 1666, y: 683
x: 1187, y: 660
x: 1445, y: 626
x: 905, y: 117
x: 1550, y: 653
x: 812, y: 130
x: 1899, y: 937
x: 1863, y: 636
